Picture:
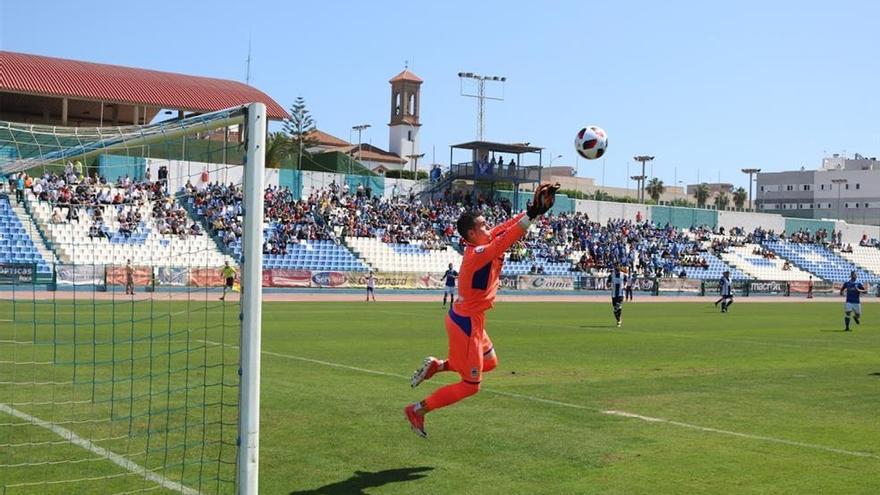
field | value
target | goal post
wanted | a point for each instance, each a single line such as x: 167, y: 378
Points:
x: 252, y: 302
x: 127, y: 365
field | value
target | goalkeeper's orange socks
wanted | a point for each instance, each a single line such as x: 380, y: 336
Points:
x: 448, y: 395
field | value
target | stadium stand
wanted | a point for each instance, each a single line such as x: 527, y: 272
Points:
x: 403, y: 257
x: 310, y: 255
x: 865, y: 257
x: 818, y: 260
x: 296, y: 235
x: 141, y: 223
x: 16, y: 245
x: 759, y: 264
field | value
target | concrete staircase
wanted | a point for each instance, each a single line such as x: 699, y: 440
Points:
x: 36, y: 235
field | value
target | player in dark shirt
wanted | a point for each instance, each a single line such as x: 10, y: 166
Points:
x: 853, y: 306
x: 449, y: 279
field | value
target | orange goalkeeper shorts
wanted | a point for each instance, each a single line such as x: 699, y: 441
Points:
x: 468, y: 345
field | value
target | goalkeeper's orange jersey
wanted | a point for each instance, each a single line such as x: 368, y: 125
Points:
x: 481, y: 267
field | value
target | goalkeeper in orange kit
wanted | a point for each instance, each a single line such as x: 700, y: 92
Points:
x: 470, y: 350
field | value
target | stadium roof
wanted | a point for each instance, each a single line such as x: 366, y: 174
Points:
x: 57, y: 77
x: 498, y: 147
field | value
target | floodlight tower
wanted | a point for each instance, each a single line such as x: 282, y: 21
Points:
x: 751, y: 172
x: 481, y: 95
x: 643, y: 159
x: 640, y: 179
x: 359, y: 128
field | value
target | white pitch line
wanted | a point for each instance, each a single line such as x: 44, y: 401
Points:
x: 741, y: 435
x: 95, y: 449
x: 622, y: 414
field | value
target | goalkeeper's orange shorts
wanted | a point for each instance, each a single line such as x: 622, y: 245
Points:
x: 469, y: 344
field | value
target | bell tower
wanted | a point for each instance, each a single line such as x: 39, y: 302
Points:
x: 403, y: 129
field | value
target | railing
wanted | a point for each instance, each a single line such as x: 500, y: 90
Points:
x: 498, y: 172
x: 183, y: 200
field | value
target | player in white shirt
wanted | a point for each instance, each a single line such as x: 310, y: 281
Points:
x: 615, y: 282
x: 371, y: 286
x: 725, y: 288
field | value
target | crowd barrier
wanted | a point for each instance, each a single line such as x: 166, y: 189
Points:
x: 152, y: 277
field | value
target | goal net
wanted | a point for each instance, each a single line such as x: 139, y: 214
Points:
x: 130, y: 305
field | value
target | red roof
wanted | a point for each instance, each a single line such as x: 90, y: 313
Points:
x: 322, y: 138
x: 370, y: 153
x: 35, y: 74
x: 406, y: 75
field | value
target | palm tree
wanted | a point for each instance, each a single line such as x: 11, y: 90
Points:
x: 277, y: 148
x: 739, y: 197
x: 702, y: 194
x: 655, y: 188
x: 721, y: 201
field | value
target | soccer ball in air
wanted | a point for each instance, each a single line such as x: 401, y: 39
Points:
x: 591, y: 142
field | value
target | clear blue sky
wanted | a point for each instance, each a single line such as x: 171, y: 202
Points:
x: 708, y: 86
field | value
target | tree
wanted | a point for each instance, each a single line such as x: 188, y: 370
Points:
x: 601, y: 195
x: 702, y: 194
x: 299, y: 128
x: 721, y: 201
x: 655, y: 188
x: 739, y: 197
x: 277, y: 149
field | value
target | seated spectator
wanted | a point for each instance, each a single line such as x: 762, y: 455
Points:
x: 125, y: 229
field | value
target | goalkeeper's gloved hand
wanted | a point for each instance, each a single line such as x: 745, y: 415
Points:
x: 545, y: 195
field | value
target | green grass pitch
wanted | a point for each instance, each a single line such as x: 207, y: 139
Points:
x: 770, y: 398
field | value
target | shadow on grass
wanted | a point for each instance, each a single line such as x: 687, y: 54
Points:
x: 601, y: 327
x: 877, y: 373
x: 362, y: 480
x: 833, y: 331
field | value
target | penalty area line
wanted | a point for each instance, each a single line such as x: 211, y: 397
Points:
x: 610, y: 412
x: 113, y: 457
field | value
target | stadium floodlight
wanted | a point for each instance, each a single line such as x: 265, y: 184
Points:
x: 414, y: 158
x: 840, y: 183
x: 480, y: 95
x: 157, y: 387
x: 643, y: 159
x: 359, y: 128
x: 751, y: 172
x: 639, y: 180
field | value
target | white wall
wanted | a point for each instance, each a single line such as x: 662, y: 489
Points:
x: 602, y: 211
x: 750, y: 221
x: 314, y: 181
x: 852, y: 233
x: 403, y: 187
x: 180, y: 171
